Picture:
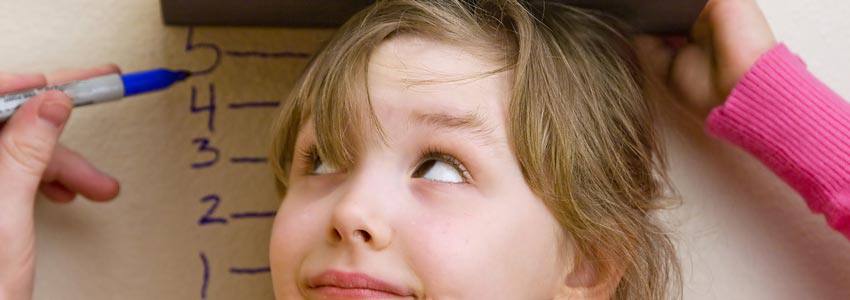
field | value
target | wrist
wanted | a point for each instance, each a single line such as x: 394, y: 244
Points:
x: 16, y: 282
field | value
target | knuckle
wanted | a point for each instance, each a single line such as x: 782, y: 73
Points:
x: 29, y: 155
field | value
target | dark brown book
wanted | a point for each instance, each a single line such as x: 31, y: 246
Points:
x: 655, y: 16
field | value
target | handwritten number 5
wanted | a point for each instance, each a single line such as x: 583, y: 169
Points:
x: 191, y: 46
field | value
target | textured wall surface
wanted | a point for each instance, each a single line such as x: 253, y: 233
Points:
x: 742, y: 234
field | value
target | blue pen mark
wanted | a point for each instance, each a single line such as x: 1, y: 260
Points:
x: 206, y: 282
x: 254, y: 215
x: 248, y: 160
x: 191, y: 46
x: 254, y: 104
x: 265, y: 54
x: 250, y: 271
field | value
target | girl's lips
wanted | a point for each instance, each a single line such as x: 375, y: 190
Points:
x: 354, y: 285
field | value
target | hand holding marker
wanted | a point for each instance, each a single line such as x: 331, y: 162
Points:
x: 31, y: 160
x: 99, y: 89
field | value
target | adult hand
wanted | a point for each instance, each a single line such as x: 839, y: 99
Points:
x: 30, y: 161
x: 727, y: 39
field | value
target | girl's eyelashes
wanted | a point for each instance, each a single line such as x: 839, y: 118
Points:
x: 313, y: 163
x: 436, y: 165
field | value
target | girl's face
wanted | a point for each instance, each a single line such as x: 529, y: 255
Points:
x: 440, y: 211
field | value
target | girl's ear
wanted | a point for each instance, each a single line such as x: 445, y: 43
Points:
x: 588, y: 280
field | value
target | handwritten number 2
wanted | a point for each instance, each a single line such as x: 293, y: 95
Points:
x: 208, y: 217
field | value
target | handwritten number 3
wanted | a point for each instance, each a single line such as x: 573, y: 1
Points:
x: 204, y: 146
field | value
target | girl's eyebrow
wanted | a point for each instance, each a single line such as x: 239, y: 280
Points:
x: 470, y: 122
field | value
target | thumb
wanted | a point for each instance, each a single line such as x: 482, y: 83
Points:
x: 26, y: 145
x: 692, y: 80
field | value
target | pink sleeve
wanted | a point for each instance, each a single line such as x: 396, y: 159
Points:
x: 797, y: 126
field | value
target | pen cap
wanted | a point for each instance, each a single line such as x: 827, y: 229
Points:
x: 147, y: 81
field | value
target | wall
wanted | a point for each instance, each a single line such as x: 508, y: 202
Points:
x: 742, y: 234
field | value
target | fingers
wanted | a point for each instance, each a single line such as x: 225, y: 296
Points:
x: 64, y: 76
x: 64, y: 172
x: 701, y: 31
x: 691, y: 77
x: 57, y: 192
x: 740, y: 35
x: 71, y: 171
x: 654, y: 55
x: 16, y: 82
x: 26, y: 145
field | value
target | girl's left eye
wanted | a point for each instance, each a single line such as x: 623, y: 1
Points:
x: 442, y: 168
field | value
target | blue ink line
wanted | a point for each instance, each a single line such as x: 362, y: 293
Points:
x: 248, y: 160
x: 255, y: 104
x: 250, y: 271
x: 264, y: 54
x: 206, y: 276
x: 254, y: 214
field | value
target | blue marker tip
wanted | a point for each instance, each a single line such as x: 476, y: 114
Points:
x: 147, y: 81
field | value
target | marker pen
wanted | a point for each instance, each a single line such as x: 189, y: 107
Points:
x: 99, y: 89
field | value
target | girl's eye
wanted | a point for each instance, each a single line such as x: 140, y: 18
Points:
x: 314, y: 163
x: 320, y: 167
x: 441, y: 168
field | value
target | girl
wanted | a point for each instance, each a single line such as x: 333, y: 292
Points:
x: 487, y: 149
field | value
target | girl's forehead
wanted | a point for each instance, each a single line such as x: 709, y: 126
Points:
x: 413, y: 59
x: 416, y: 83
x: 411, y: 76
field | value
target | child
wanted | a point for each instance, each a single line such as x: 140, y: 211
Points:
x: 449, y: 150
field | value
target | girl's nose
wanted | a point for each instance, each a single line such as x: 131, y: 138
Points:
x: 359, y: 219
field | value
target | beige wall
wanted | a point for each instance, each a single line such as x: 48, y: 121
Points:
x: 742, y: 234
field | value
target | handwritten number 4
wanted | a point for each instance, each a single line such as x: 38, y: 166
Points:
x: 209, y: 108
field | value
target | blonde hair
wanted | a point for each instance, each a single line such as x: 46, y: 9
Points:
x: 580, y: 126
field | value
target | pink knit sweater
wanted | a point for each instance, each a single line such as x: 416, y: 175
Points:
x: 797, y: 126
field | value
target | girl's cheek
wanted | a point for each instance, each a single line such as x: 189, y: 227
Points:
x: 297, y: 226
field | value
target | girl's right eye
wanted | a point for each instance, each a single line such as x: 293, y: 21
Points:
x: 320, y: 167
x: 314, y: 163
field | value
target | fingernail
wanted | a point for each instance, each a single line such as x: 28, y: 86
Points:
x: 54, y: 111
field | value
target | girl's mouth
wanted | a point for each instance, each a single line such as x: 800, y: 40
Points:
x: 344, y: 285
